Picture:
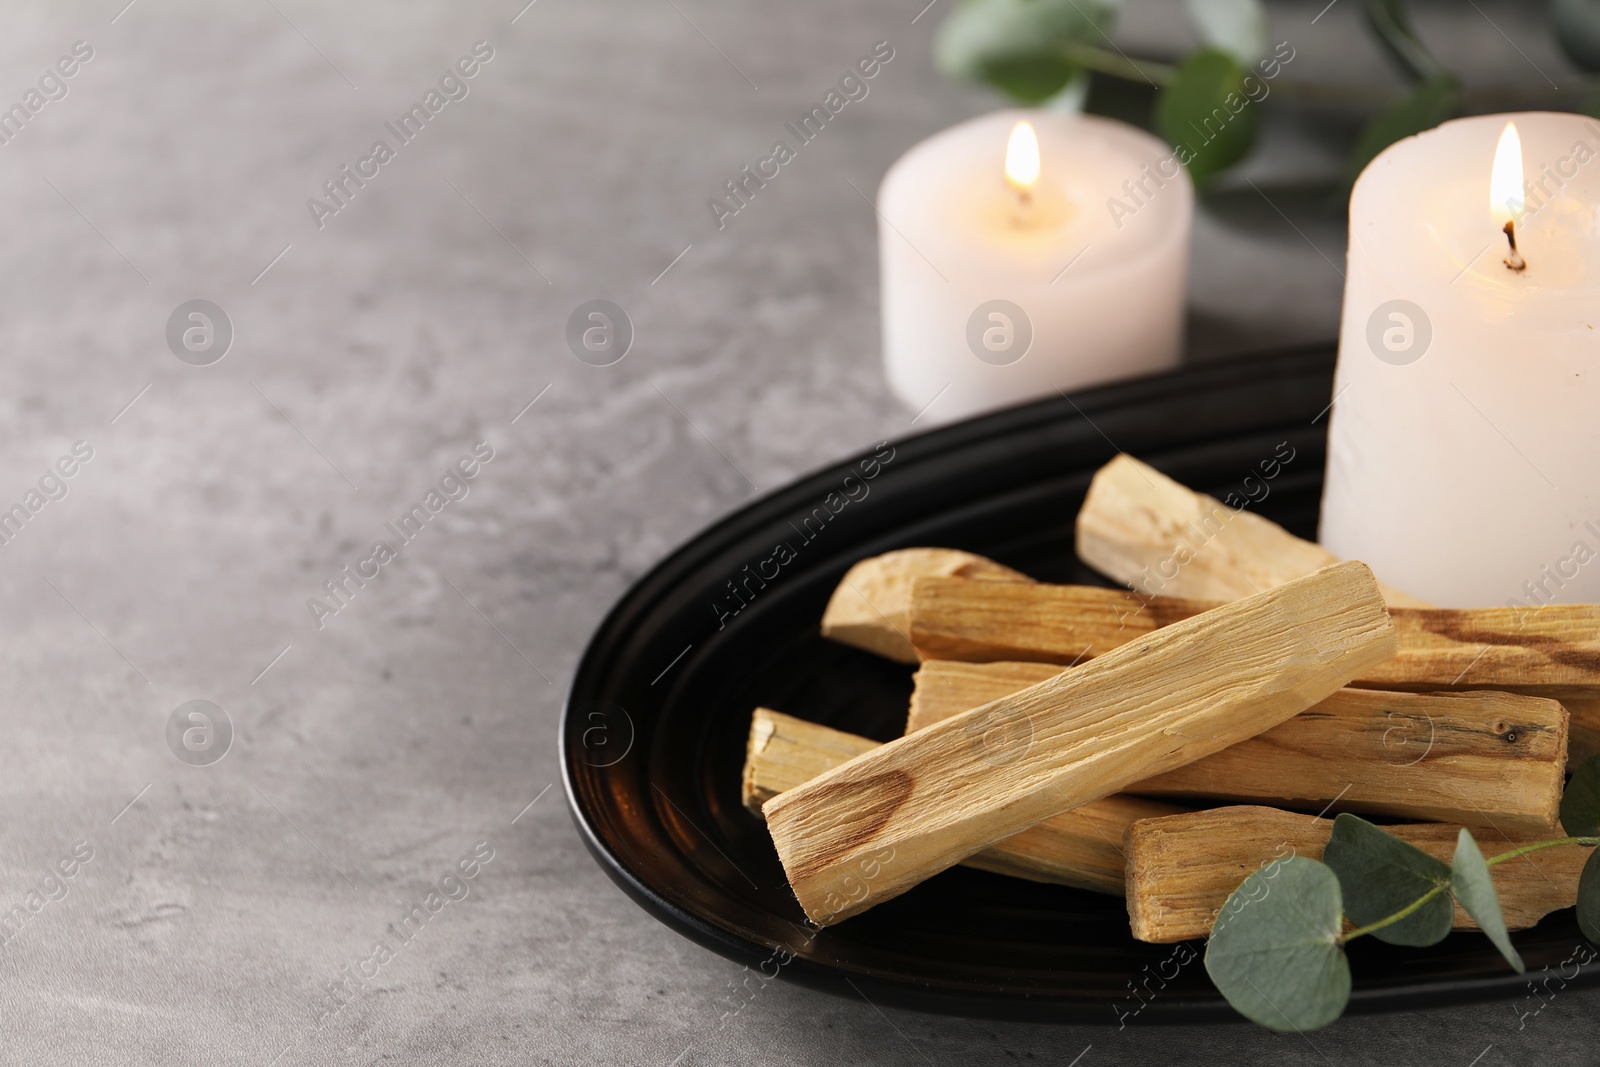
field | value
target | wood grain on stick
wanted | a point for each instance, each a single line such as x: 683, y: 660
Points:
x: 1156, y: 535
x: 875, y: 826
x: 1482, y: 759
x: 1552, y: 652
x: 942, y: 688
x: 871, y: 608
x: 1183, y: 868
x: 1080, y: 848
x: 953, y: 619
x: 1554, y: 646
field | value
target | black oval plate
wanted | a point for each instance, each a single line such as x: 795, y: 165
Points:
x: 653, y: 734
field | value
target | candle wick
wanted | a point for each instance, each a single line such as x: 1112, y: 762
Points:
x: 1023, y: 217
x: 1514, y: 261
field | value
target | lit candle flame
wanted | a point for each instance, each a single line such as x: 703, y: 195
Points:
x: 1022, y: 159
x: 1505, y: 180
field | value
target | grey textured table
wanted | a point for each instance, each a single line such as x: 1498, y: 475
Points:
x: 229, y: 913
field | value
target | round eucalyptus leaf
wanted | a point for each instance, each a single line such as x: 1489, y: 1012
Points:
x: 1237, y: 27
x: 1578, y: 30
x: 1018, y: 46
x: 1580, y: 804
x: 1379, y: 875
x: 1274, y: 950
x: 1589, y: 898
x: 1474, y: 891
x: 1206, y: 114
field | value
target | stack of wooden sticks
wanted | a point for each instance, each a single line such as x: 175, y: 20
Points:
x: 1085, y: 736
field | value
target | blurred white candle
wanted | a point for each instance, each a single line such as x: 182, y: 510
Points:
x: 1464, y: 450
x: 1016, y: 263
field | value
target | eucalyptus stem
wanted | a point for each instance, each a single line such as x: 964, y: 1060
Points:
x: 1537, y: 845
x: 1118, y: 65
x: 1362, y: 931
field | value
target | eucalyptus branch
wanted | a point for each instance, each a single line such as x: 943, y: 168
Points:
x: 1282, y: 930
x: 1037, y: 51
x: 1416, y: 905
x: 1161, y: 74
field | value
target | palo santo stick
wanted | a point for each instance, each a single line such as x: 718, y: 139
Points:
x: 1183, y: 868
x: 1142, y: 528
x: 1081, y: 847
x: 784, y: 752
x: 942, y: 688
x: 1553, y: 651
x: 952, y: 619
x: 871, y: 608
x: 1554, y: 647
x: 874, y: 827
x: 1475, y: 758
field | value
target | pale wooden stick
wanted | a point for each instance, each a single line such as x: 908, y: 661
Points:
x: 942, y: 688
x: 1141, y: 528
x: 873, y: 827
x: 1183, y: 868
x: 1551, y: 652
x: 952, y: 619
x: 1555, y: 646
x: 1081, y: 847
x: 784, y: 752
x: 1477, y: 758
x: 871, y: 608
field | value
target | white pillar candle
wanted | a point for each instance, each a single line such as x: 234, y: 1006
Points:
x: 997, y: 291
x: 1464, y: 449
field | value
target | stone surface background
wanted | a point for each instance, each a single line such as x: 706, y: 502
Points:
x: 373, y: 753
